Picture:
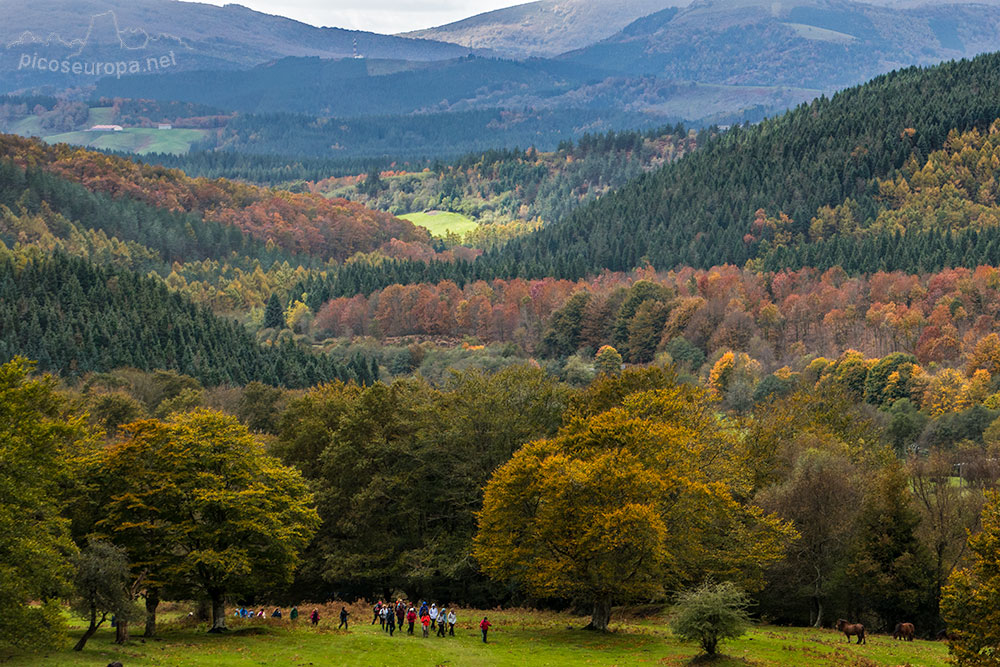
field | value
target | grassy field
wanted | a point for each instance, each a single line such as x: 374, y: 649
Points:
x: 136, y: 140
x: 438, y: 223
x: 517, y: 638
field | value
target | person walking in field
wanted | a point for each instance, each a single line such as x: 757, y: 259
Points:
x: 383, y: 614
x: 314, y: 617
x: 294, y: 614
x: 375, y: 612
x: 451, y: 623
x: 400, y: 613
x: 425, y: 621
x: 411, y: 618
x: 343, y: 618
x: 390, y: 623
x: 433, y: 614
x: 484, y: 625
x: 441, y: 622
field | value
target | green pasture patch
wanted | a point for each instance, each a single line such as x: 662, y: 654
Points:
x: 134, y: 140
x: 99, y: 116
x: 439, y: 223
x: 517, y: 638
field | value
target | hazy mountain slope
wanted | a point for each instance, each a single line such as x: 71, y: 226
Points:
x: 812, y: 43
x: 545, y: 28
x: 191, y: 36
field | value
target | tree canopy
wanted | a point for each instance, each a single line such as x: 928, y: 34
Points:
x: 634, y: 502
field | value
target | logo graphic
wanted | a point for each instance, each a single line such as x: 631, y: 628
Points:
x: 106, y: 49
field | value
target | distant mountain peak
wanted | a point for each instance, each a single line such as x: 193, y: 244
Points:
x: 547, y: 27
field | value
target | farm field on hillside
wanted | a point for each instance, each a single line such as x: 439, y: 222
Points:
x: 137, y: 140
x: 439, y: 223
x: 517, y: 638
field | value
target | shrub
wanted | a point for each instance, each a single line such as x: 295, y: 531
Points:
x: 711, y: 614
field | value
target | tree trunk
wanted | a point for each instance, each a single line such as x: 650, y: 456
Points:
x: 601, y: 615
x: 203, y: 613
x: 121, y: 632
x: 94, y: 624
x: 152, y: 602
x: 218, y: 611
x: 819, y: 613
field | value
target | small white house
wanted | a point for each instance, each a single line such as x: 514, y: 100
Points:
x: 106, y: 128
x: 164, y: 126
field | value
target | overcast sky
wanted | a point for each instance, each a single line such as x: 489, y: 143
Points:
x: 385, y: 16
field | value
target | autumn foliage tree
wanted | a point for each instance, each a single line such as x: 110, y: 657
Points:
x: 198, y: 504
x: 625, y: 505
x: 971, y: 600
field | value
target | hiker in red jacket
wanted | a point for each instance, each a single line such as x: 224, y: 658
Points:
x: 484, y: 625
x: 411, y: 617
x: 425, y: 621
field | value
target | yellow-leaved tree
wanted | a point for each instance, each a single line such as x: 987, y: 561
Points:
x: 627, y: 504
x: 201, y: 508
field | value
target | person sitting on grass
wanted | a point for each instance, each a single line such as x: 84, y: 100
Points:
x: 343, y: 618
x: 276, y: 613
x: 484, y: 625
x: 451, y: 622
x: 425, y: 621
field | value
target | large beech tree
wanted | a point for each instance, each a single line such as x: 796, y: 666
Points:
x: 624, y: 505
x: 201, y: 507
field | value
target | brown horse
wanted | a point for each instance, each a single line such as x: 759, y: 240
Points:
x: 852, y: 629
x: 903, y: 631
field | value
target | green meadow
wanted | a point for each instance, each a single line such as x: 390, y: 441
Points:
x: 139, y: 140
x: 134, y: 139
x: 439, y: 223
x: 518, y: 638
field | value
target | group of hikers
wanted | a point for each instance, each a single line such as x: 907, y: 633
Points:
x: 392, y: 615
x: 243, y: 612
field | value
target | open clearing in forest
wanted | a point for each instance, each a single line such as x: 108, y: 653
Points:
x: 517, y: 638
x: 439, y: 223
x: 140, y: 140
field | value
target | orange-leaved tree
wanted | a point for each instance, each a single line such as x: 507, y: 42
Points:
x: 628, y: 504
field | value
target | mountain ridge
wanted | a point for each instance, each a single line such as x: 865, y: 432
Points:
x: 202, y: 35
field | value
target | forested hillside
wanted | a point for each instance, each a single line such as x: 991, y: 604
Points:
x: 85, y: 227
x: 75, y: 318
x: 702, y: 211
x: 506, y: 185
x: 298, y: 223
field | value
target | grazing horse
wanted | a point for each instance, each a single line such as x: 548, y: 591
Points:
x: 903, y: 631
x: 852, y: 629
